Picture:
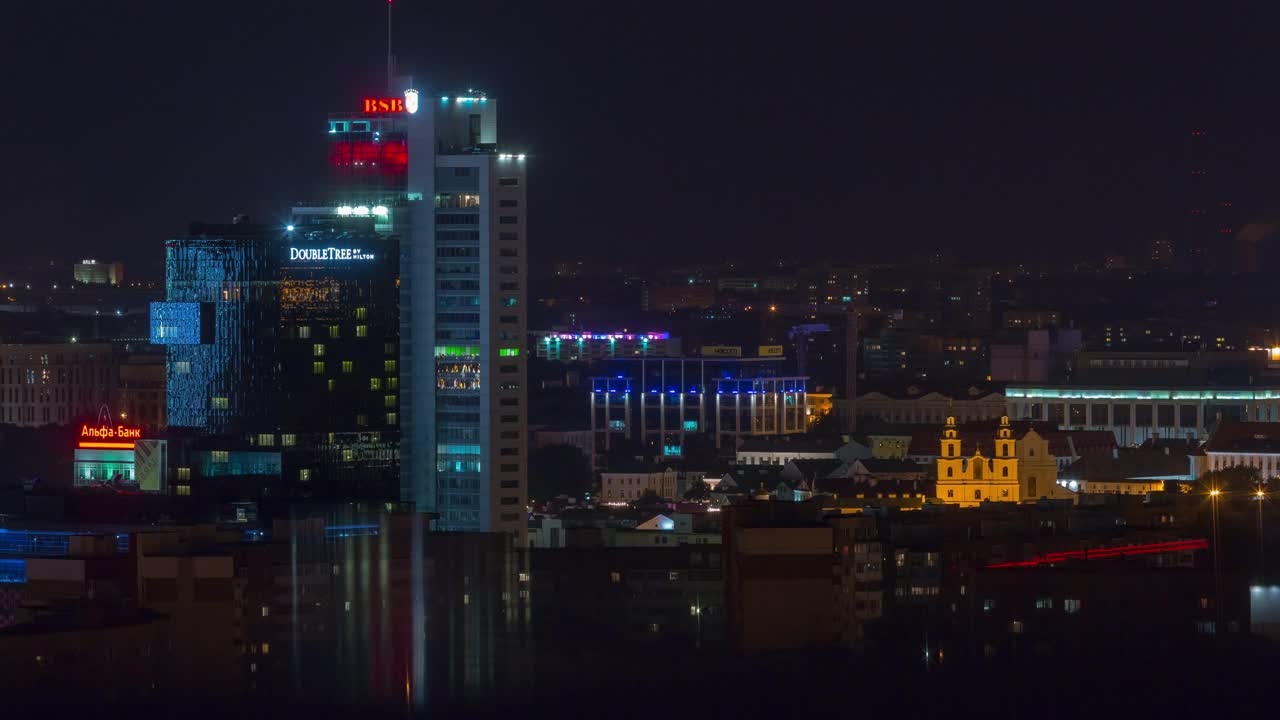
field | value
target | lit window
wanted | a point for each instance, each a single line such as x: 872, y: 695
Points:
x: 220, y: 456
x: 333, y: 331
x: 509, y: 352
x: 393, y: 383
x: 348, y: 366
x: 332, y: 384
x: 1071, y: 605
x: 317, y: 350
x: 184, y: 490
x: 362, y: 313
x: 288, y: 440
x: 392, y: 418
x: 389, y: 366
x: 184, y: 473
x: 265, y: 611
x: 266, y: 439
x: 182, y: 367
x: 389, y: 401
x: 219, y: 403
x: 304, y: 332
x: 348, y: 455
x: 375, y: 383
x: 317, y: 367
x: 615, y: 576
x: 362, y: 331
x: 304, y: 475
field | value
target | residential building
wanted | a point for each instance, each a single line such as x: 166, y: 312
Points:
x: 630, y: 482
x: 60, y: 383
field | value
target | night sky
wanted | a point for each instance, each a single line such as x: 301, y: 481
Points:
x: 666, y: 131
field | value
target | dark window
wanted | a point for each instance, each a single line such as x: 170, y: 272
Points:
x: 508, y: 319
x: 452, y: 252
x: 509, y: 203
x: 462, y: 172
x: 508, y: 269
x: 509, y: 467
x: 509, y: 501
x: 509, y: 286
x: 509, y: 434
x: 509, y: 517
x: 508, y: 368
x: 509, y: 484
x: 509, y: 402
x: 508, y: 252
x: 509, y: 451
x: 508, y: 219
x: 507, y: 418
x: 508, y: 236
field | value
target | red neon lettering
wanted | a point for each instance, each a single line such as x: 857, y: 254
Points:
x: 383, y: 105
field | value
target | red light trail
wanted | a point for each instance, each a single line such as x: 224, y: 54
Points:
x: 1101, y: 553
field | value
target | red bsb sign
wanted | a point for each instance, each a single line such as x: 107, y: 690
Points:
x: 383, y: 105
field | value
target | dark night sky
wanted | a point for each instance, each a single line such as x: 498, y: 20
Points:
x: 677, y: 131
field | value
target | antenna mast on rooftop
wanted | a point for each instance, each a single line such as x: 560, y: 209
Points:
x: 390, y: 60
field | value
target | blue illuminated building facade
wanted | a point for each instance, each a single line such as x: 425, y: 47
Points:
x: 217, y: 323
x: 283, y: 359
x: 660, y: 402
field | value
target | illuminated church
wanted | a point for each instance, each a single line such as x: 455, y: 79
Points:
x: 968, y: 481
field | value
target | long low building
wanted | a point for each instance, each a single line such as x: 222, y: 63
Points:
x: 1138, y: 414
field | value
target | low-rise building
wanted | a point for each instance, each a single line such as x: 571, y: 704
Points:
x: 629, y: 482
x: 781, y: 449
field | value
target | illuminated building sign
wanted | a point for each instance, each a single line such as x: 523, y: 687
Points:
x: 721, y: 351
x: 383, y: 105
x: 581, y: 337
x: 770, y: 351
x: 109, y: 437
x: 329, y: 254
x: 411, y: 101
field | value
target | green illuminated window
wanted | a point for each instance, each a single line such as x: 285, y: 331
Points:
x: 392, y: 418
x: 219, y: 403
x: 509, y: 352
x: 317, y: 367
x: 393, y: 383
x: 362, y: 331
x: 333, y: 331
x: 348, y: 366
x: 184, y: 473
x: 389, y: 366
x: 304, y: 474
x: 375, y: 383
x: 317, y: 350
x: 389, y: 401
x: 362, y: 313
x: 332, y: 384
x: 304, y: 332
x: 288, y: 440
x: 457, y: 350
x: 184, y: 490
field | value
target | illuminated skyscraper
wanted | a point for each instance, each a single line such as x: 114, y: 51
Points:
x: 426, y: 167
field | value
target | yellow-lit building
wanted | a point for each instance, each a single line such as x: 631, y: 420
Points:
x: 968, y: 481
x: 816, y: 406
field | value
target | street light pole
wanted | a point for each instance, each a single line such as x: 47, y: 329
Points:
x: 1262, y: 546
x: 1217, y: 569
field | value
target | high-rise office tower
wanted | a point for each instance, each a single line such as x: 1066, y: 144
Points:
x: 427, y: 167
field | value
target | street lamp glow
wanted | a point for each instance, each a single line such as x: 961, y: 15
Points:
x: 1215, y: 493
